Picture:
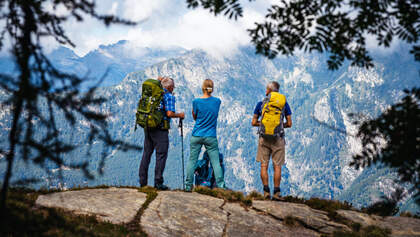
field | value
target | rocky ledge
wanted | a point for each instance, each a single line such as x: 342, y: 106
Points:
x: 176, y: 213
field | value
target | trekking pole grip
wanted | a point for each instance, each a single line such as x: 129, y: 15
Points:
x: 180, y: 123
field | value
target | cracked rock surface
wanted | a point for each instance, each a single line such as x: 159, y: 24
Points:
x: 400, y: 226
x: 116, y: 205
x: 176, y: 213
x: 184, y: 214
x: 251, y: 223
x: 311, y: 218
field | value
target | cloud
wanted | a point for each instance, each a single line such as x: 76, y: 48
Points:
x: 195, y: 29
x: 139, y: 10
x: 166, y: 23
x: 114, y: 8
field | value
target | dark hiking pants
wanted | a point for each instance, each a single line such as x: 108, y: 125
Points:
x: 154, y: 140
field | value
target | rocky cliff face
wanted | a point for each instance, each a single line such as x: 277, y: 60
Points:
x: 317, y: 156
x: 176, y: 213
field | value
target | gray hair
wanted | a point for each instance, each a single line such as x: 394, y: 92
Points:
x: 167, y: 82
x: 273, y: 86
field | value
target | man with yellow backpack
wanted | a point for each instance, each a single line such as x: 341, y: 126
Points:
x: 272, y: 110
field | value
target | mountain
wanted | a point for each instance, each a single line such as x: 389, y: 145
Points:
x: 109, y: 63
x: 317, y: 156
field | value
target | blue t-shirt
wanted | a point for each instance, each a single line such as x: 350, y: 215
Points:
x: 258, y: 109
x: 207, y: 111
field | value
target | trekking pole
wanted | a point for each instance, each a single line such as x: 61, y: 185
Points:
x: 182, y: 145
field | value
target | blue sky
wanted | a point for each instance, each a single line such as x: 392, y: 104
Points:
x: 165, y: 23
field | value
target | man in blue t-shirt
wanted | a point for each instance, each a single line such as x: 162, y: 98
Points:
x: 271, y: 147
x: 158, y: 139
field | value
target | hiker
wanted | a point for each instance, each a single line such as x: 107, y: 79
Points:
x: 205, y: 112
x: 157, y: 138
x: 271, y: 135
x: 203, y: 174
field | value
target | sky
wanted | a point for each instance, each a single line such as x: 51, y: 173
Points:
x: 164, y: 23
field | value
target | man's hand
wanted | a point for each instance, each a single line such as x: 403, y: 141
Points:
x: 288, y: 123
x: 181, y: 115
x: 171, y: 114
x: 255, y: 121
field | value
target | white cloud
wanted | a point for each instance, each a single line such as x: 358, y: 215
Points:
x: 114, y: 8
x: 195, y: 29
x: 138, y: 10
x: 164, y: 23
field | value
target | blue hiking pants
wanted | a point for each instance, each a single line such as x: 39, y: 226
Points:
x: 210, y: 143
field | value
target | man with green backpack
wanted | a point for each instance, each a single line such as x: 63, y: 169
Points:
x: 272, y: 110
x: 155, y: 109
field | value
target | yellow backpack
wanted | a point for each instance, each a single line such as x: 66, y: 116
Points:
x: 273, y: 115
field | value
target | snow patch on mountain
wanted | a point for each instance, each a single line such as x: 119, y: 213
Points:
x: 372, y: 77
x: 299, y: 75
x: 348, y: 91
x: 235, y: 113
x: 241, y: 170
x: 355, y: 145
x: 61, y: 168
x: 105, y: 53
x: 322, y: 110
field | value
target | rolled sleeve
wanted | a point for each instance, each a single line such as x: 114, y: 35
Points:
x: 257, y: 109
x: 287, y: 109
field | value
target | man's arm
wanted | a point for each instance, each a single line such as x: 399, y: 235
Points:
x: 255, y: 121
x: 171, y: 114
x: 288, y: 123
x: 194, y: 115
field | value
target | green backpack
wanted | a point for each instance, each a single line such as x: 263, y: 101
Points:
x: 148, y: 114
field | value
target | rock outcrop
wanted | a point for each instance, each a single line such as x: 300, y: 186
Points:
x: 116, y: 205
x: 176, y: 213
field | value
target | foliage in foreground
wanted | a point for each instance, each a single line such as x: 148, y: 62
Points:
x: 388, y: 206
x: 393, y: 139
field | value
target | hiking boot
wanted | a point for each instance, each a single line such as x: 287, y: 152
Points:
x: 277, y: 196
x: 161, y: 187
x: 266, y: 195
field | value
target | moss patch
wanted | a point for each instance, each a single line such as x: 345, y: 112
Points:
x: 134, y: 225
x: 228, y: 195
x: 254, y: 195
x: 291, y: 221
x: 368, y: 231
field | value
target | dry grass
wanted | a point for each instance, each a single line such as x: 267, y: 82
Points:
x: 228, y: 195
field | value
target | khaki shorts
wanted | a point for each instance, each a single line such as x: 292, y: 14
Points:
x: 273, y: 147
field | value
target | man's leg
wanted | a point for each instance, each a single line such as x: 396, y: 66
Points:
x: 148, y: 148
x: 264, y: 174
x: 161, y: 140
x: 195, y: 148
x: 278, y: 161
x: 212, y: 148
x: 277, y: 177
x: 263, y: 156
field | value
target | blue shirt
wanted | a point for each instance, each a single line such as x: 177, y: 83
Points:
x: 168, y: 103
x: 258, y: 109
x: 206, y: 111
